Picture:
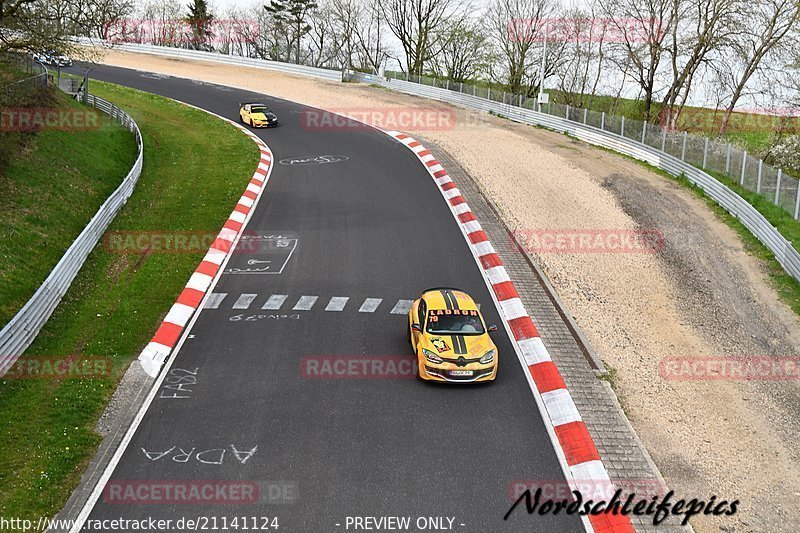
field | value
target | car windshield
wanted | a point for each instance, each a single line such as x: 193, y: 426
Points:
x: 259, y: 110
x: 454, y: 322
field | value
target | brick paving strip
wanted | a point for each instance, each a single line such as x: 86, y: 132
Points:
x: 623, y: 454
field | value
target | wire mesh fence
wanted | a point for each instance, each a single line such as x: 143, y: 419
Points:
x: 700, y: 151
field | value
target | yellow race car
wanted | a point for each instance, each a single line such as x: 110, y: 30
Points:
x: 257, y: 115
x: 450, y: 339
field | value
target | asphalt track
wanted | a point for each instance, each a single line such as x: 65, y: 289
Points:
x: 374, y: 225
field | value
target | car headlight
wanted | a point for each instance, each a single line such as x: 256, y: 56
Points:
x: 487, y: 358
x: 431, y: 357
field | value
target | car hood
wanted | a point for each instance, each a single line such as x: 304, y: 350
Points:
x: 263, y: 116
x: 455, y: 346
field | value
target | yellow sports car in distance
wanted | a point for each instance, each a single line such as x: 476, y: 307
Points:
x: 450, y: 338
x: 257, y: 115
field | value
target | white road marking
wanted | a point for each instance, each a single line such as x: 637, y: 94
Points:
x: 370, y: 305
x: 305, y: 303
x: 275, y: 301
x: 244, y: 301
x: 402, y: 307
x: 337, y: 303
x: 215, y: 299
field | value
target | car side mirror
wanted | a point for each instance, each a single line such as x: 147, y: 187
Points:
x: 491, y: 328
x: 416, y: 327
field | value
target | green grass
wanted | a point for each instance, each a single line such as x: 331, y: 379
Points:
x: 51, y: 188
x: 196, y: 167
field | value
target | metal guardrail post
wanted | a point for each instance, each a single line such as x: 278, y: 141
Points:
x: 778, y: 187
x: 566, y: 112
x: 622, y: 127
x: 663, y: 138
x: 603, y: 121
x: 758, y: 184
x: 644, y: 130
x: 744, y: 164
x: 585, y: 113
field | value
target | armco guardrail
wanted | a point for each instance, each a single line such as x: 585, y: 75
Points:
x: 20, y: 332
x: 787, y: 256
x: 289, y: 68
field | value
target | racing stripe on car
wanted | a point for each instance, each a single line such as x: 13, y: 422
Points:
x: 448, y: 304
x: 570, y: 435
x: 157, y: 351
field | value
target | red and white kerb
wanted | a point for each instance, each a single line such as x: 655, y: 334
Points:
x: 579, y: 450
x: 156, y: 352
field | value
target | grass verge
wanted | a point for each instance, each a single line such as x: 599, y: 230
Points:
x: 195, y: 169
x: 53, y: 185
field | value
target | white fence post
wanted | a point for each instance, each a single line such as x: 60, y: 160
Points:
x: 744, y: 164
x: 778, y: 187
x: 683, y: 149
x: 585, y: 112
x: 728, y: 161
x: 603, y: 121
x: 797, y: 202
x: 663, y: 138
x: 622, y: 128
x: 644, y: 130
x: 705, y: 153
x: 758, y: 183
x: 566, y: 112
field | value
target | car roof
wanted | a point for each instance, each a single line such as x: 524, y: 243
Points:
x: 252, y: 104
x: 447, y: 298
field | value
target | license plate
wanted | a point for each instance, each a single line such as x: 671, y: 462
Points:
x: 461, y: 372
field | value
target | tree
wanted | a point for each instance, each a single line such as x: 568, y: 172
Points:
x: 763, y: 29
x: 199, y: 20
x: 35, y: 25
x: 642, y: 27
x: 371, y: 50
x: 414, y: 23
x: 583, y: 63
x: 464, y: 52
x: 701, y: 27
x: 518, y: 30
x: 292, y: 15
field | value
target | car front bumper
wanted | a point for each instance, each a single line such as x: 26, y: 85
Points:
x: 457, y: 375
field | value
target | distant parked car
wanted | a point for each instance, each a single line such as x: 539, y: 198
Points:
x: 52, y: 58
